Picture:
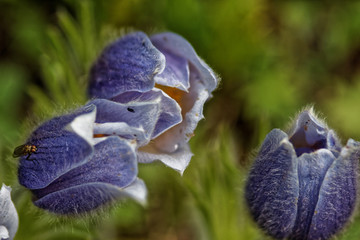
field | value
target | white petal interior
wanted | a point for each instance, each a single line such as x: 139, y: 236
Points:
x: 83, y: 126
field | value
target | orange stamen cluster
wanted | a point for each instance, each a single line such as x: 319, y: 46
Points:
x: 174, y: 93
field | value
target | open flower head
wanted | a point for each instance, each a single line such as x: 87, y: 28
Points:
x: 73, y: 171
x: 303, y: 185
x: 164, y: 68
x: 9, y: 220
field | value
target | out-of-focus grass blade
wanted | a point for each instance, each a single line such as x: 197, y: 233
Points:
x: 215, y: 184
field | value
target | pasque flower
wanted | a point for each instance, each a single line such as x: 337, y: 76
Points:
x: 303, y: 185
x: 163, y: 71
x: 71, y: 170
x: 9, y: 220
x: 148, y: 96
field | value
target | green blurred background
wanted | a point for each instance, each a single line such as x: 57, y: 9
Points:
x: 274, y: 58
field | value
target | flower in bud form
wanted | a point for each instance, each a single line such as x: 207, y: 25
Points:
x: 303, y: 185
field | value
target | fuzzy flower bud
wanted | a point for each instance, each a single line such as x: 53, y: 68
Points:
x: 303, y: 185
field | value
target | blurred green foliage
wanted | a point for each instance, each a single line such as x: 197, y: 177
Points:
x: 274, y: 57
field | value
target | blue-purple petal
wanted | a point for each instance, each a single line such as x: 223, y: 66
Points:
x: 129, y: 64
x: 58, y: 151
x: 272, y: 141
x: 338, y: 194
x: 172, y: 43
x: 176, y: 73
x: 122, y: 130
x: 61, y: 122
x: 309, y: 133
x: 170, y: 111
x: 112, y: 168
x: 80, y: 199
x: 311, y: 171
x: 333, y: 143
x: 136, y: 114
x: 272, y: 189
x: 113, y: 162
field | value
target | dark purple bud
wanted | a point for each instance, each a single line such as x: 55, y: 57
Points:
x: 303, y: 185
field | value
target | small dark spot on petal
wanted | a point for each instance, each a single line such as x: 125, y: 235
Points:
x: 130, y: 109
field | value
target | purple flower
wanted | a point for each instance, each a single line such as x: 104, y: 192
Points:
x: 74, y: 171
x: 162, y: 74
x: 9, y: 220
x: 303, y: 185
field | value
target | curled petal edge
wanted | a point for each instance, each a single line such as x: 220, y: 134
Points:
x: 179, y: 46
x: 178, y: 160
x: 4, y: 233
